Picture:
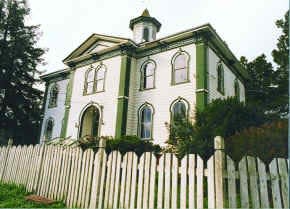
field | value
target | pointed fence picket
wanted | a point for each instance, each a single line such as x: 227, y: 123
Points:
x: 96, y: 180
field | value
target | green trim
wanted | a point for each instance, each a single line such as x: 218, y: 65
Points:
x: 43, y: 110
x: 122, y: 108
x: 67, y: 105
x: 201, y: 76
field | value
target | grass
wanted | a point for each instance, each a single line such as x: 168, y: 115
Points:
x: 13, y: 196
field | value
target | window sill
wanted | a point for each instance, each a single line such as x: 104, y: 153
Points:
x: 184, y: 82
x: 147, y: 89
x: 84, y: 94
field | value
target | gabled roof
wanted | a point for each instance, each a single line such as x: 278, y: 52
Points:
x: 90, y: 41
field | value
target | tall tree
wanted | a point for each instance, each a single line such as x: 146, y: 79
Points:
x: 281, y: 58
x: 19, y: 57
x: 268, y: 86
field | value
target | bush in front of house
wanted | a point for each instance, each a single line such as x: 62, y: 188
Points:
x: 222, y: 117
x: 266, y: 142
x: 131, y: 144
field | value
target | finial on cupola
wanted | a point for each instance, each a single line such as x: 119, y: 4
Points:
x: 144, y: 27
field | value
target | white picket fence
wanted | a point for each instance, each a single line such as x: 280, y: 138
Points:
x: 86, y: 179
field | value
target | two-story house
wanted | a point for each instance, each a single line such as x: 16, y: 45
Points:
x: 116, y: 86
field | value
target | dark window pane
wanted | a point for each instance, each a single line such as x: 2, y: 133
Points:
x: 146, y: 123
x: 179, y: 111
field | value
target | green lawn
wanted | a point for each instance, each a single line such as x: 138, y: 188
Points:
x: 12, y: 196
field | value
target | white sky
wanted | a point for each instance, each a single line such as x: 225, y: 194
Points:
x: 248, y: 26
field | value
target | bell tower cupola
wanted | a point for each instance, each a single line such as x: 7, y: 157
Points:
x: 144, y: 27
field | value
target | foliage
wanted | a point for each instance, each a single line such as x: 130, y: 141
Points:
x: 266, y: 142
x: 131, y: 143
x: 268, y: 87
x: 219, y: 118
x: 12, y: 196
x: 20, y: 102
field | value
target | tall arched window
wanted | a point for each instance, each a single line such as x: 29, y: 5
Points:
x: 178, y: 111
x: 53, y: 94
x: 180, y: 68
x: 49, y: 129
x: 237, y: 89
x: 145, y: 122
x: 148, y: 75
x: 220, y: 78
x: 146, y: 34
x: 95, y: 80
x: 89, y: 85
x: 90, y: 122
x: 100, y: 78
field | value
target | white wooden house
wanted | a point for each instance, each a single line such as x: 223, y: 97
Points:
x: 116, y: 86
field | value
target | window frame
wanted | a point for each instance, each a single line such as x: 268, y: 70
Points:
x: 50, y: 119
x: 237, y: 90
x: 186, y: 103
x: 142, y: 77
x: 54, y: 87
x: 95, y: 79
x: 220, y: 78
x: 141, y: 108
x: 173, y: 70
x: 143, y: 34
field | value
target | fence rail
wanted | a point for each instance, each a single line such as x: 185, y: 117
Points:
x: 96, y: 180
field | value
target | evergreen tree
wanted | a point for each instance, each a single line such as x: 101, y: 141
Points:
x: 20, y: 102
x: 268, y: 87
x: 281, y: 58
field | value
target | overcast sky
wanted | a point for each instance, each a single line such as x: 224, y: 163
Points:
x: 248, y: 26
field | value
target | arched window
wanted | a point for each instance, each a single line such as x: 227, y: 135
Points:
x: 90, y: 121
x: 237, y: 89
x: 179, y: 111
x: 180, y: 68
x: 49, y: 129
x: 147, y: 75
x: 53, y: 94
x: 100, y: 78
x: 145, y: 122
x: 220, y: 78
x: 95, y: 80
x: 146, y: 34
x: 89, y: 85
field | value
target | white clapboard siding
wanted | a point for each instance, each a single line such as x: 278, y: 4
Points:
x: 210, y: 183
x: 277, y: 202
x: 232, y: 191
x: 244, y: 183
x: 282, y: 167
x: 183, y: 183
x: 263, y: 184
x: 160, y: 182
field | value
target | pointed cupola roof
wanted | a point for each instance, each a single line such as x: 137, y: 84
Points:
x: 145, y: 17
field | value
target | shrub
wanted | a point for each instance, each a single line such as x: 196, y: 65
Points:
x: 266, y: 142
x: 220, y: 118
x: 131, y: 143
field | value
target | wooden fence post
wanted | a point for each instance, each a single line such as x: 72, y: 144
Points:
x: 3, y: 163
x: 97, y: 173
x: 219, y: 167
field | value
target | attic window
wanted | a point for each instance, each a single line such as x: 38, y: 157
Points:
x: 146, y: 34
